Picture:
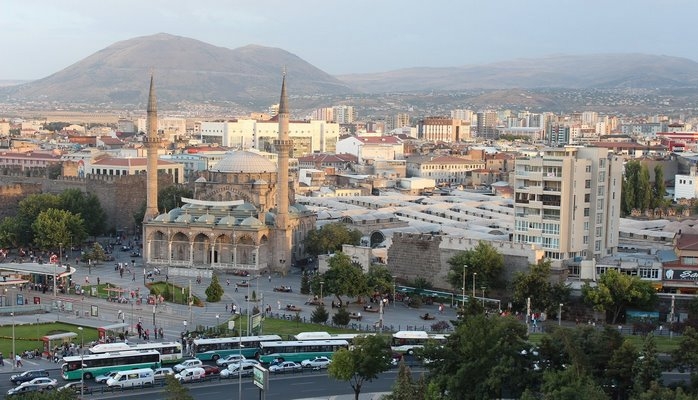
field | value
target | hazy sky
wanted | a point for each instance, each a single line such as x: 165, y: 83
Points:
x: 40, y: 37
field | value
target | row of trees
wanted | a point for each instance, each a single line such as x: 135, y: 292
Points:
x: 637, y: 191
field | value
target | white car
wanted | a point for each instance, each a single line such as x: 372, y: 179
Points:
x: 231, y: 359
x: 316, y: 363
x: 191, y: 363
x: 245, y: 369
x: 160, y: 373
x: 41, y: 383
x: 105, y: 377
x: 286, y: 366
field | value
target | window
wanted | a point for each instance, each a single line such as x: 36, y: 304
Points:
x: 587, y: 184
x: 586, y: 212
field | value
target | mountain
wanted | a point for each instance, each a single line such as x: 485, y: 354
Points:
x: 186, y: 70
x: 601, y: 71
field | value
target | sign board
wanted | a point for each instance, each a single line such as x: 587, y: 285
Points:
x: 260, y: 377
x: 231, y: 325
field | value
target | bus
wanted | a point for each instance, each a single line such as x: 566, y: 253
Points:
x: 299, y: 350
x: 170, y: 352
x: 349, y: 337
x: 408, y: 341
x: 98, y: 364
x: 215, y: 348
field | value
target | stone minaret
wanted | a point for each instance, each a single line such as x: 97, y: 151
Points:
x: 283, y: 145
x: 152, y: 144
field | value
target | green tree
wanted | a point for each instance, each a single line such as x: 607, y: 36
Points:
x: 404, y: 388
x: 630, y: 186
x: 170, y: 197
x: 29, y: 209
x: 344, y: 278
x: 369, y: 357
x: 330, y: 238
x: 615, y: 291
x: 320, y: 315
x: 10, y: 232
x: 341, y: 317
x: 88, y: 207
x: 379, y: 279
x: 685, y: 356
x: 214, y: 291
x: 644, y: 190
x: 647, y: 368
x: 659, y: 187
x: 54, y: 226
x: 620, y: 368
x: 536, y: 285
x: 49, y: 395
x: 305, y: 284
x: 568, y: 384
x: 481, y: 359
x: 96, y: 253
x: 484, y: 267
x: 174, y: 390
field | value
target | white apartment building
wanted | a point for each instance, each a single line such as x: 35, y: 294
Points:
x: 443, y: 169
x: 372, y: 147
x: 169, y: 127
x: 314, y: 136
x: 568, y: 202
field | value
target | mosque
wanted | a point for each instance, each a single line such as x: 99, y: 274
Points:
x: 243, y: 217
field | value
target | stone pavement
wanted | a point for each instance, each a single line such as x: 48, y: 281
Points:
x: 172, y: 317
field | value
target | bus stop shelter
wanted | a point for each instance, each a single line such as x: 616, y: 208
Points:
x: 50, y: 341
x: 104, y: 332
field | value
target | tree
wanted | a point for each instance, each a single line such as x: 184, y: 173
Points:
x: 174, y: 389
x: 330, y: 238
x: 369, y: 357
x: 96, y: 253
x: 49, y: 395
x: 567, y: 384
x: 615, y: 291
x: 647, y: 368
x: 535, y: 284
x: 341, y: 317
x: 630, y: 186
x: 343, y: 278
x: 54, y: 226
x: 170, y: 197
x: 379, y: 278
x: 644, y: 190
x: 214, y: 291
x: 88, y: 207
x: 620, y: 368
x: 484, y: 261
x: 320, y: 315
x: 305, y: 284
x: 481, y: 359
x: 404, y: 388
x: 685, y: 357
x: 659, y: 187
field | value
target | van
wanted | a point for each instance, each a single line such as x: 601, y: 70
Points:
x: 133, y: 377
x: 191, y: 374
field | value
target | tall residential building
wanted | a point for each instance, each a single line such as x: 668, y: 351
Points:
x: 567, y: 200
x: 344, y: 114
x: 487, y: 124
x: 465, y: 115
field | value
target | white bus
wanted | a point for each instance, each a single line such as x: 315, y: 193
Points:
x: 215, y: 348
x: 99, y: 364
x: 408, y: 341
x: 349, y: 337
x: 299, y: 350
x: 170, y: 352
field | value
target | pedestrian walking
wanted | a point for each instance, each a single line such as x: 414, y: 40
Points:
x: 87, y: 280
x: 278, y: 304
x: 18, y: 361
x: 269, y: 277
x: 227, y: 281
x: 160, y: 333
x: 97, y: 281
x: 226, y: 307
x: 2, y: 360
x: 236, y: 288
x: 134, y: 276
x: 231, y: 308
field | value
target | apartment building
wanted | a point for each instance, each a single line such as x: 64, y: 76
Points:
x: 443, y: 169
x: 438, y: 129
x: 567, y: 200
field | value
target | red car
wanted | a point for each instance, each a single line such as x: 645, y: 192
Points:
x: 211, y: 370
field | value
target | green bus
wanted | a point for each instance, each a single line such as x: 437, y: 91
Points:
x: 215, y: 348
x: 299, y: 350
x: 98, y: 364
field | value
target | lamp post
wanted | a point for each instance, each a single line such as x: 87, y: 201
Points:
x: 474, y: 275
x: 82, y: 352
x: 218, y: 323
x: 394, y: 294
x: 60, y: 260
x: 322, y: 301
x: 464, y: 268
x: 559, y: 315
x: 155, y: 327
x: 14, y: 350
x: 483, y: 295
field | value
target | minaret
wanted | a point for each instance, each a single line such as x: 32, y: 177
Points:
x: 283, y: 147
x: 151, y: 143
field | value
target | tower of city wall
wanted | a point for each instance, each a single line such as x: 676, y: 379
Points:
x: 416, y: 256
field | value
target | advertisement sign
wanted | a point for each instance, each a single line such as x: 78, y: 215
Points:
x: 260, y: 377
x: 681, y: 275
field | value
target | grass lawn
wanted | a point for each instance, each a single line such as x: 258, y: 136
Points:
x: 180, y: 293
x: 28, y: 336
x: 282, y: 327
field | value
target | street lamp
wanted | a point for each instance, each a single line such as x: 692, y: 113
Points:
x: 14, y: 350
x: 474, y: 275
x: 483, y: 295
x: 559, y: 315
x: 218, y: 323
x: 464, y: 268
x: 322, y: 283
x: 60, y: 260
x: 155, y: 327
x: 82, y: 352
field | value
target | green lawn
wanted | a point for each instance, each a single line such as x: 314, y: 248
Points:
x: 282, y: 327
x: 173, y: 293
x: 28, y: 336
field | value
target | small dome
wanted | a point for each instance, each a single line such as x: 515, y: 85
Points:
x: 206, y: 219
x: 200, y: 179
x: 170, y: 216
x: 185, y: 218
x: 270, y: 218
x: 228, y: 220
x: 251, y: 221
x: 245, y: 207
x: 244, y: 161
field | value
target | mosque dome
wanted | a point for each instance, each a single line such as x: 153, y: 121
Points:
x: 228, y: 220
x: 170, y: 216
x: 185, y: 218
x: 251, y: 221
x: 206, y: 219
x: 246, y: 207
x: 244, y: 161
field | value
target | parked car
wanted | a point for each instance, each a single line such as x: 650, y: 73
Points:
x: 231, y: 359
x: 286, y: 366
x: 191, y: 363
x: 160, y: 373
x: 75, y: 387
x: 44, y: 383
x: 191, y: 374
x: 132, y: 378
x: 26, y: 376
x: 316, y: 363
x: 211, y: 370
x: 105, y: 377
